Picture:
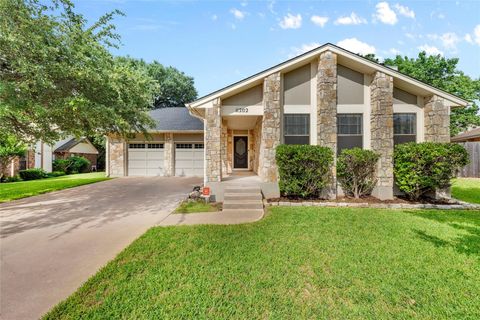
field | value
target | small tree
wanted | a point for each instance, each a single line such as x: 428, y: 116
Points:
x: 356, y: 171
x: 10, y: 148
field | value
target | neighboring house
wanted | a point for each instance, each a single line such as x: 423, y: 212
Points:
x: 42, y: 154
x: 327, y: 96
x: 471, y: 142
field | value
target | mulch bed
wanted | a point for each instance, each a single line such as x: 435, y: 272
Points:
x: 369, y: 200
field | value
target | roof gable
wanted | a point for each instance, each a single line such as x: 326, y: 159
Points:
x: 366, y: 65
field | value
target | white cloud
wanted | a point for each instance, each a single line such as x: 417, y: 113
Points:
x: 449, y: 40
x: 405, y: 11
x: 291, y: 21
x: 430, y: 50
x: 244, y: 3
x: 476, y: 34
x: 385, y: 14
x: 319, y: 21
x: 468, y: 38
x: 353, y: 18
x: 237, y: 14
x: 214, y: 17
x: 296, y: 51
x: 410, y: 35
x: 356, y: 46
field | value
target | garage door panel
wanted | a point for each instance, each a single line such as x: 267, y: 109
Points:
x: 136, y: 172
x: 154, y: 172
x: 189, y: 159
x: 136, y: 155
x: 154, y: 164
x: 145, y: 162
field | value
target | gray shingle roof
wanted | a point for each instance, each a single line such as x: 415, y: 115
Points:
x: 175, y: 119
x: 68, y: 145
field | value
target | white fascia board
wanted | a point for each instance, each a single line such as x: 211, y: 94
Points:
x: 455, y: 101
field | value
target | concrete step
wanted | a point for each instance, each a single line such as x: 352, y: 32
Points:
x: 242, y: 196
x: 239, y: 204
x: 243, y: 212
x: 243, y: 190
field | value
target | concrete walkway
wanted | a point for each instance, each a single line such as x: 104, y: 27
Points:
x: 52, y: 243
x: 222, y: 217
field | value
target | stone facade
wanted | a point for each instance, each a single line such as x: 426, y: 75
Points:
x: 213, y: 142
x: 224, y: 149
x: 381, y: 122
x: 168, y: 155
x: 229, y: 151
x: 117, y: 149
x: 327, y: 111
x: 257, y: 139
x: 437, y: 120
x: 270, y: 130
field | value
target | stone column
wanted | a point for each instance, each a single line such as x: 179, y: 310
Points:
x: 224, y: 147
x: 213, y: 134
x: 117, y: 150
x: 168, y: 155
x: 381, y: 122
x: 270, y: 128
x: 327, y: 112
x: 437, y: 120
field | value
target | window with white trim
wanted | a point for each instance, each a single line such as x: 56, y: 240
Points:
x: 349, y: 131
x: 404, y: 127
x: 155, y: 146
x: 136, y: 145
x: 296, y: 129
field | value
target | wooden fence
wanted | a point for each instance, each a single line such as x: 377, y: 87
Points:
x: 472, y: 170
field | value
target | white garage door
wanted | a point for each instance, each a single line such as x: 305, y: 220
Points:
x: 145, y: 159
x: 189, y: 159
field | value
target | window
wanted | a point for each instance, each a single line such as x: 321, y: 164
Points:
x: 155, y: 146
x: 136, y: 145
x: 296, y: 129
x: 183, y: 146
x: 404, y: 127
x: 198, y: 145
x: 349, y: 131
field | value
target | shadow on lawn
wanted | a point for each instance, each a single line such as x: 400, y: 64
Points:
x: 468, y: 221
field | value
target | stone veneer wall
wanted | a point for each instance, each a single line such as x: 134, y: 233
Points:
x: 229, y: 150
x: 270, y: 137
x: 327, y: 111
x: 381, y: 122
x: 251, y: 149
x: 257, y: 139
x: 224, y: 147
x: 213, y: 143
x: 437, y: 120
x: 117, y: 156
x: 168, y: 155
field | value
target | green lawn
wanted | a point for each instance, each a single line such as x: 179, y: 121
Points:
x: 466, y: 189
x: 297, y: 263
x: 197, y: 206
x: 23, y: 189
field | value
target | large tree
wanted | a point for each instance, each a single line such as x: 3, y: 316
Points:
x: 175, y: 87
x: 57, y: 76
x: 443, y: 73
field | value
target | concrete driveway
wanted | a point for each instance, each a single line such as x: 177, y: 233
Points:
x: 52, y: 243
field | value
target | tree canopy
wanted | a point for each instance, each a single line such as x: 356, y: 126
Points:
x: 57, y: 76
x: 443, y: 73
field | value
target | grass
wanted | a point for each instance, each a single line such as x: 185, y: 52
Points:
x: 197, y: 206
x: 23, y: 189
x: 466, y: 189
x: 297, y: 263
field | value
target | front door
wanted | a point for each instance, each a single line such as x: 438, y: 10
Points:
x: 240, y: 152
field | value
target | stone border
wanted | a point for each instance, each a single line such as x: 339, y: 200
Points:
x: 459, y: 205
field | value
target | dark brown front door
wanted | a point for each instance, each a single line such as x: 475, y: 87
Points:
x: 240, y: 152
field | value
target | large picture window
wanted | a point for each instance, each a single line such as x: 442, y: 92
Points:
x: 296, y: 129
x: 404, y: 127
x: 349, y: 131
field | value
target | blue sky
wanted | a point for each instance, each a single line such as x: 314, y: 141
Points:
x: 220, y: 42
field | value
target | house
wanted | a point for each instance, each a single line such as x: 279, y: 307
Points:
x: 327, y: 96
x: 42, y: 154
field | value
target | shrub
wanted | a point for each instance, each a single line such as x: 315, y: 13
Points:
x: 33, y: 174
x: 56, y: 174
x: 78, y: 165
x: 304, y: 169
x: 420, y: 168
x: 61, y: 165
x: 15, y: 178
x: 356, y: 171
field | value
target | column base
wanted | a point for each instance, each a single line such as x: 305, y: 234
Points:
x: 383, y: 192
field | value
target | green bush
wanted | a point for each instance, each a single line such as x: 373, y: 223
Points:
x: 304, y: 169
x: 33, y: 174
x: 356, y: 171
x: 420, y: 168
x: 78, y: 165
x: 61, y: 165
x: 56, y: 174
x: 15, y: 178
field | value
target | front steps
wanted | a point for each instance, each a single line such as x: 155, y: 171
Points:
x: 241, y: 199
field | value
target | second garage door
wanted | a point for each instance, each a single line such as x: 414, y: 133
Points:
x: 145, y: 159
x: 189, y: 159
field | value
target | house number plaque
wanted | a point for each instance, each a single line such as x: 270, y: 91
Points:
x: 241, y: 110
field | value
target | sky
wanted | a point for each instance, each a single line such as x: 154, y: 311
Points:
x: 221, y: 42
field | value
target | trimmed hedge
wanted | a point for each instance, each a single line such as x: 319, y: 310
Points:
x: 60, y: 165
x: 304, y: 169
x: 32, y: 174
x: 356, y: 171
x: 71, y: 165
x: 56, y: 174
x: 420, y: 168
